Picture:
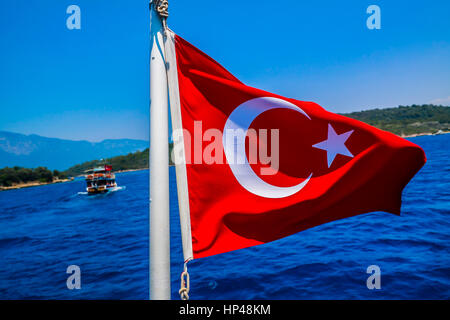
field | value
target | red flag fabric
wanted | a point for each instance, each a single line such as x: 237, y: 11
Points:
x: 108, y: 167
x: 330, y: 167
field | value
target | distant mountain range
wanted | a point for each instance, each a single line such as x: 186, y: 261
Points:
x: 31, y: 151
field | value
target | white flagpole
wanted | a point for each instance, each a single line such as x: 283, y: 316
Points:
x: 159, y: 164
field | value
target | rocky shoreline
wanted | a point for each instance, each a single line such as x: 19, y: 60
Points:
x: 423, y: 134
x: 32, y: 184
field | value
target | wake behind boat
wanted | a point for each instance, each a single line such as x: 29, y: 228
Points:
x: 100, y: 180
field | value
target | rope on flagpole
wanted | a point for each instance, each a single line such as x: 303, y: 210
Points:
x: 162, y: 8
x: 185, y: 283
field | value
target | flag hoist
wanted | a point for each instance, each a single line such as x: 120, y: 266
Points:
x: 333, y: 167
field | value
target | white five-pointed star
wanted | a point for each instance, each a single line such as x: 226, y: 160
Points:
x: 335, y: 144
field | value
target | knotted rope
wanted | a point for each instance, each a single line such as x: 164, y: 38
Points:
x: 162, y: 7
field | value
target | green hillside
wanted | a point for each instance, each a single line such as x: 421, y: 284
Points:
x: 19, y: 175
x: 407, y: 120
x: 136, y: 160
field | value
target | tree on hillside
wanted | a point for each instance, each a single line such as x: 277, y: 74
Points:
x: 10, y: 176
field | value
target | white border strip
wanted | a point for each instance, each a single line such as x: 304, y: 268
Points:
x: 180, y: 167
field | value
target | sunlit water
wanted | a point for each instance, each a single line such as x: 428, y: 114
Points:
x: 45, y: 229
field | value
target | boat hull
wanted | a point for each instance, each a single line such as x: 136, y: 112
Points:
x: 100, y: 190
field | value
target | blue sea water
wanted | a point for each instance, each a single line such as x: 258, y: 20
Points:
x: 45, y: 229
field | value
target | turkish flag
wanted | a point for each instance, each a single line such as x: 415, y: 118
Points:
x: 329, y: 166
x: 108, y: 167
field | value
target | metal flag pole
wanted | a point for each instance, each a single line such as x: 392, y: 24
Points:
x: 159, y: 158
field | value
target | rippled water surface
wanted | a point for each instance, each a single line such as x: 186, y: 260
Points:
x: 45, y: 229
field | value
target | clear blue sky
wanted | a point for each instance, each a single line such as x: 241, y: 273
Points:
x: 93, y: 83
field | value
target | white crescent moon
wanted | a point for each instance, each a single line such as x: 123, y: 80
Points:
x: 240, y: 119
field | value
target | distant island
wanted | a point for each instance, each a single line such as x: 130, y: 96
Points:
x: 132, y: 161
x: 18, y: 177
x: 407, y: 120
x: 404, y: 121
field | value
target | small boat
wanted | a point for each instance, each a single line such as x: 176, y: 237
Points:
x: 100, y: 180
